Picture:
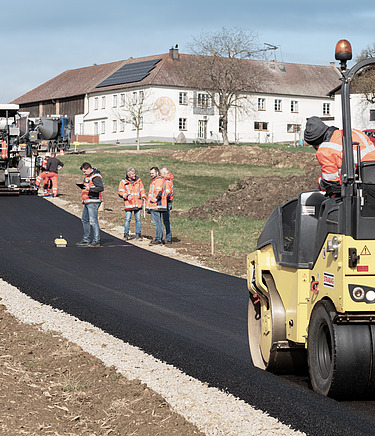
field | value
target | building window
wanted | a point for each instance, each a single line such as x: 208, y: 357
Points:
x: 203, y: 100
x: 96, y: 103
x: 277, y: 105
x: 102, y: 128
x: 103, y: 102
x: 135, y: 99
x: 182, y: 99
x: 141, y: 95
x: 122, y: 99
x: 202, y: 129
x: 372, y: 115
x: 96, y: 128
x: 260, y: 125
x: 122, y: 125
x: 294, y: 106
x: 293, y: 128
x: 182, y: 123
x: 80, y: 128
x: 326, y: 108
x: 114, y: 101
x: 114, y: 126
x: 261, y: 104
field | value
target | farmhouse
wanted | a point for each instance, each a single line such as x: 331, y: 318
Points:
x: 108, y: 103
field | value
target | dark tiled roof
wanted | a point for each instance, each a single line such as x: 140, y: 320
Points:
x: 282, y: 78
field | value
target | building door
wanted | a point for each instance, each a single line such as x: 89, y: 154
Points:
x: 202, y: 129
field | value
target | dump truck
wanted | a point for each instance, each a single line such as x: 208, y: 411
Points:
x: 311, y: 279
x: 50, y: 133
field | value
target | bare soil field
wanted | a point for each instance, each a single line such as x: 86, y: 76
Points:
x: 50, y: 386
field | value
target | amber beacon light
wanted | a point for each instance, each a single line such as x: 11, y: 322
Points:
x: 343, y: 52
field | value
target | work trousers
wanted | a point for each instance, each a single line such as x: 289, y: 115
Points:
x: 167, y: 223
x: 128, y: 217
x: 90, y: 215
x: 53, y: 177
x: 156, y: 221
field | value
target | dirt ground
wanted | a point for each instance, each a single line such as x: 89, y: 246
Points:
x: 50, y: 386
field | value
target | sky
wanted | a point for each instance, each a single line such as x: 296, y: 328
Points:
x: 42, y: 39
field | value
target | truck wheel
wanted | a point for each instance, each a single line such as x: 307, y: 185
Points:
x: 339, y: 356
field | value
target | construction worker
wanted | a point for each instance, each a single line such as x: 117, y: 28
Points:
x: 169, y: 192
x: 131, y: 189
x: 328, y: 143
x: 92, y: 188
x: 156, y: 203
x: 43, y: 176
x: 53, y: 165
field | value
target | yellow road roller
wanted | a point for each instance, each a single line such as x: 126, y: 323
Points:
x: 312, y: 276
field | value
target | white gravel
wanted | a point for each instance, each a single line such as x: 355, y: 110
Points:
x: 211, y: 410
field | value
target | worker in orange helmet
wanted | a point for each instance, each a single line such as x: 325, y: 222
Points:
x: 169, y: 192
x: 132, y: 191
x: 43, y: 176
x: 327, y: 141
x: 53, y: 166
x: 157, y: 203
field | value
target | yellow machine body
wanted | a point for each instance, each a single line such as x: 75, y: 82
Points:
x: 301, y: 289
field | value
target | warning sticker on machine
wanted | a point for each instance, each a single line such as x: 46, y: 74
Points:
x: 365, y: 251
x: 328, y: 280
x: 308, y: 210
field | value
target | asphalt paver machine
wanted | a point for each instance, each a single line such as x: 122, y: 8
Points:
x: 19, y: 162
x: 312, y: 276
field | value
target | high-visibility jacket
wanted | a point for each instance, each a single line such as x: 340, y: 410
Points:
x: 44, y: 164
x: 169, y: 186
x: 95, y: 182
x: 132, y: 191
x: 4, y: 150
x: 157, y: 200
x: 329, y: 154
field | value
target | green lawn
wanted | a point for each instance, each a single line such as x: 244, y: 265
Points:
x: 194, y: 184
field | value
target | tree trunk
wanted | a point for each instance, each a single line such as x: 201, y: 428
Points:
x: 138, y: 144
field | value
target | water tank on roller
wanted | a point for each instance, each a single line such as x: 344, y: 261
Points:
x: 49, y: 128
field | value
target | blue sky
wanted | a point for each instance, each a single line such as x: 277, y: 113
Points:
x: 41, y: 40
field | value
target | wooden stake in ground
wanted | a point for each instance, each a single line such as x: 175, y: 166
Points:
x: 212, y: 243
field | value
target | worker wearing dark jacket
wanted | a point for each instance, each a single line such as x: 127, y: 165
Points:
x: 91, y: 194
x: 157, y: 203
x: 132, y: 191
x: 53, y: 165
x: 328, y: 143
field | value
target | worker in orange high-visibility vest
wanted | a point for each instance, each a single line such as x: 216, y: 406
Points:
x: 132, y: 191
x: 92, y: 188
x: 43, y: 176
x: 327, y: 141
x: 4, y: 150
x: 169, y: 193
x: 156, y: 203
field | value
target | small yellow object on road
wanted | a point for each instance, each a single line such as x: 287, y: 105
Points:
x: 61, y: 242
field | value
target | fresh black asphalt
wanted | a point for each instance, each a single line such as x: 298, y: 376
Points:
x: 193, y: 318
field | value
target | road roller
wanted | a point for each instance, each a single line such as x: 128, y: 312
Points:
x: 311, y: 278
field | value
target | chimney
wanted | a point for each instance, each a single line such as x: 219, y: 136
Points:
x: 173, y: 53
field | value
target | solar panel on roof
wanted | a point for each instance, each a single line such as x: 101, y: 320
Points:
x: 129, y: 73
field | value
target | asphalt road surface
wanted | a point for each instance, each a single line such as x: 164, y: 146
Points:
x: 193, y: 318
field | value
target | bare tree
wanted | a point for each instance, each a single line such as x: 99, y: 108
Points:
x: 364, y: 82
x: 221, y: 67
x: 134, y: 108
